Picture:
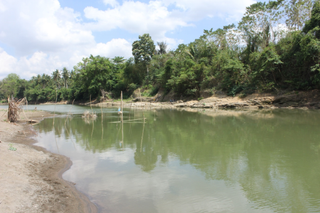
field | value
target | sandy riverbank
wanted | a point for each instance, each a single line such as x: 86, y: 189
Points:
x: 30, y: 177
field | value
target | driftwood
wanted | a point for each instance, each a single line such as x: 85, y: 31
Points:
x: 14, y: 109
x: 89, y: 117
x: 32, y: 121
x: 88, y: 114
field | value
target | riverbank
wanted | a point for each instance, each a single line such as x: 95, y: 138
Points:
x: 292, y: 99
x: 219, y: 100
x: 31, y: 177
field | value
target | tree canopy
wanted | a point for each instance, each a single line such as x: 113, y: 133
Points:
x: 275, y: 46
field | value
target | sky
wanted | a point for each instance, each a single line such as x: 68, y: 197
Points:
x: 40, y: 36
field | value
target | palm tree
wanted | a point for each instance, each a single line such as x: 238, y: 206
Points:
x: 45, y: 79
x: 56, y: 77
x: 118, y: 60
x: 267, y: 34
x: 162, y: 48
x: 65, y: 76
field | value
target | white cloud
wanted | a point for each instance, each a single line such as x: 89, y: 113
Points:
x: 41, y: 62
x: 160, y: 17
x: 132, y: 16
x: 156, y: 18
x: 2, y: 7
x: 6, y: 63
x: 210, y: 8
x: 38, y: 25
x: 44, y: 36
x: 136, y: 17
x: 112, y: 3
x: 115, y: 47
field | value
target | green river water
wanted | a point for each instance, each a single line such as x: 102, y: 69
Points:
x: 178, y: 161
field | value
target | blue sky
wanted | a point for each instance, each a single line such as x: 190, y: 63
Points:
x: 39, y: 36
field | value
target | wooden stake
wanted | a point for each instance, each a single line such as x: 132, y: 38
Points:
x: 54, y: 112
x: 4, y: 113
x: 121, y: 102
x: 122, y: 118
x: 121, y: 108
x: 90, y: 104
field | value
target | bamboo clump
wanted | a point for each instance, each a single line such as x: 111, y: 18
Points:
x: 14, y: 109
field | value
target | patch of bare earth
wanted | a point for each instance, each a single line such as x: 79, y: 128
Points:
x: 30, y: 177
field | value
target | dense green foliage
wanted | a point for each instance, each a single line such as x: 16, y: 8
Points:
x: 276, y: 45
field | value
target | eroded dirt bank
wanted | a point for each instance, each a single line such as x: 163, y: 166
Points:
x: 292, y: 99
x: 30, y: 177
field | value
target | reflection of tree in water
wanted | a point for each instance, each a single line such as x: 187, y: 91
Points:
x: 271, y: 159
x: 147, y: 158
x: 145, y: 155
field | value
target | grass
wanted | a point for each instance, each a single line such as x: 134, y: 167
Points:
x: 12, y: 148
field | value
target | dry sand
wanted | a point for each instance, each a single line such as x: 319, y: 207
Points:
x: 30, y: 177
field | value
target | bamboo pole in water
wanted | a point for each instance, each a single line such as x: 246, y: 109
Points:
x: 55, y: 137
x: 121, y: 102
x: 122, y: 142
x: 54, y: 111
x: 90, y: 104
x: 122, y: 130
x: 101, y: 122
x: 101, y: 113
x: 121, y: 108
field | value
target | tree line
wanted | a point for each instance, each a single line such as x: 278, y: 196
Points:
x: 275, y: 46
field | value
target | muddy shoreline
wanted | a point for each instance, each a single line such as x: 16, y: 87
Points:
x: 31, y: 177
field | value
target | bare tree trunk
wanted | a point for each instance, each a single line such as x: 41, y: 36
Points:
x: 103, y: 94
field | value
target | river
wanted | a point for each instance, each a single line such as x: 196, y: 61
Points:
x: 178, y: 161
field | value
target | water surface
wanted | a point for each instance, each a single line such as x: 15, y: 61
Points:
x: 189, y: 162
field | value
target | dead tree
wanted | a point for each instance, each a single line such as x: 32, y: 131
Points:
x: 14, y: 109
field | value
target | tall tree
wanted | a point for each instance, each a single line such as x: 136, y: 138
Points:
x: 143, y: 50
x: 98, y: 75
x: 56, y: 77
x: 314, y: 23
x: 221, y: 37
x: 10, y: 85
x: 65, y: 76
x: 297, y: 12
